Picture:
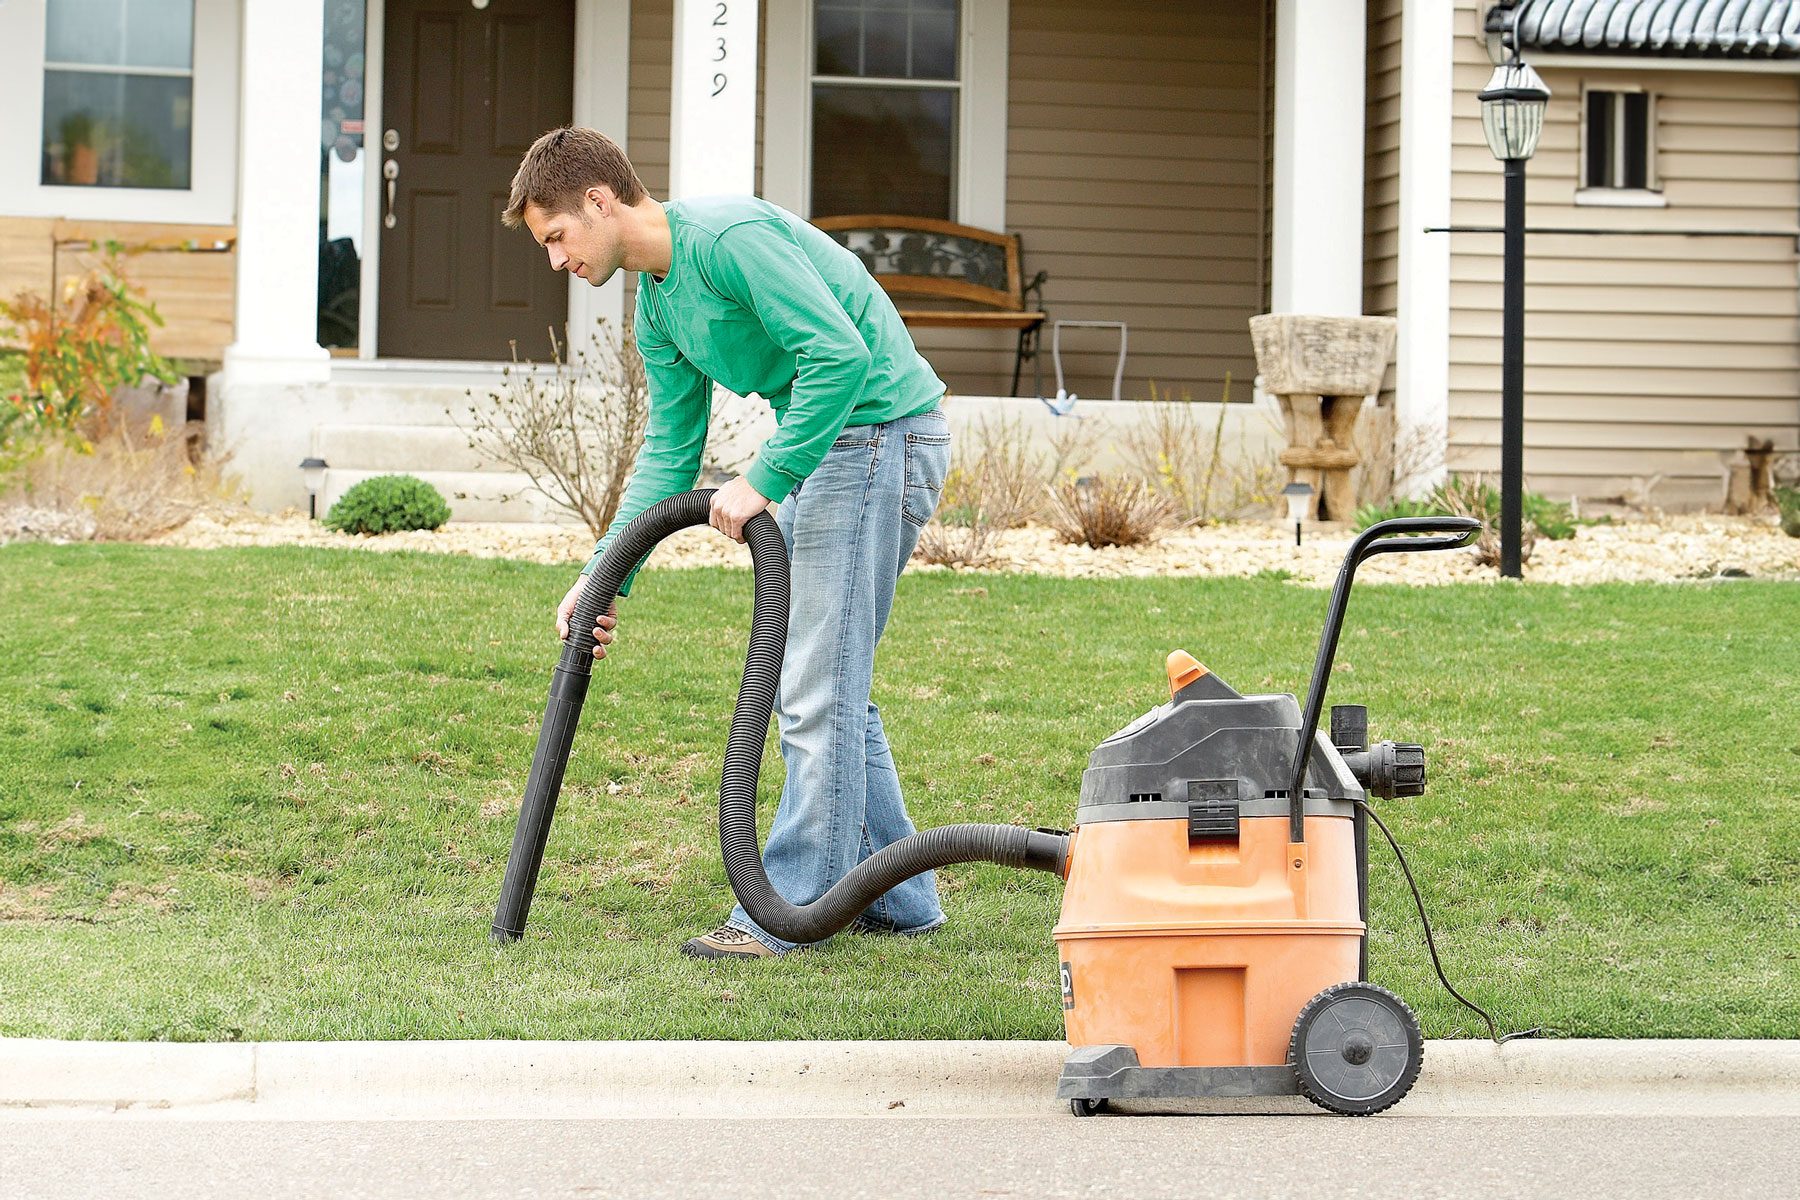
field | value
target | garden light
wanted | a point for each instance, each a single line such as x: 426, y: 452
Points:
x: 314, y: 469
x: 1298, y: 497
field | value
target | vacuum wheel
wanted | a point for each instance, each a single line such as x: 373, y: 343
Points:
x: 1356, y: 1049
x: 1087, y: 1108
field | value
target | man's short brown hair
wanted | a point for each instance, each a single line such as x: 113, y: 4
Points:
x: 562, y: 165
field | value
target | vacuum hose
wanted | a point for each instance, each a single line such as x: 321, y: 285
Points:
x: 1008, y: 845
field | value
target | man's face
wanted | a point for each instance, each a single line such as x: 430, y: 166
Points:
x: 585, y: 242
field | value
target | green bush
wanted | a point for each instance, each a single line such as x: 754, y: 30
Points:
x: 388, y: 503
x: 1552, y: 519
x: 1372, y: 514
x: 1788, y: 501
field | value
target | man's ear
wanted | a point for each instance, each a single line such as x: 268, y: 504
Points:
x: 601, y: 198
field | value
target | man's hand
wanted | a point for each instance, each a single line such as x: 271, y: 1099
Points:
x: 734, y: 504
x: 603, y: 634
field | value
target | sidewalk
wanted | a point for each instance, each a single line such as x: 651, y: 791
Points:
x: 506, y: 1079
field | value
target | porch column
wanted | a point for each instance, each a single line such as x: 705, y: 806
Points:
x: 1422, y: 366
x: 277, y: 309
x: 1318, y: 219
x: 712, y: 119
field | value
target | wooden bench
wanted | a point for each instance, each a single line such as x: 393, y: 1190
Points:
x: 941, y: 260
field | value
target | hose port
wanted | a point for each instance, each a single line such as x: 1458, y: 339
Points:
x: 1390, y: 769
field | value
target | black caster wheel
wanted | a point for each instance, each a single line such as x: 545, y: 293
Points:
x: 1087, y: 1108
x: 1356, y: 1049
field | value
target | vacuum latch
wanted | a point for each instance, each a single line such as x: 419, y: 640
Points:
x: 1212, y: 809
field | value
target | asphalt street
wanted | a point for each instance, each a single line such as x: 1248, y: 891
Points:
x: 1108, y: 1156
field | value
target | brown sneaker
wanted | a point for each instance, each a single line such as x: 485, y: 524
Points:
x: 726, y: 942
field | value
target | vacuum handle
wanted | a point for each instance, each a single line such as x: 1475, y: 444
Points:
x: 1386, y: 537
x: 1383, y: 537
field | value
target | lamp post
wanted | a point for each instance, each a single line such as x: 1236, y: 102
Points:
x: 1298, y: 497
x: 314, y: 470
x: 1512, y: 116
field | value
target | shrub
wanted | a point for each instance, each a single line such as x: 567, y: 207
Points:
x: 1005, y: 483
x: 1188, y: 464
x: 1787, y: 500
x: 1554, y: 519
x: 1469, y: 496
x: 386, y: 504
x: 1374, y: 514
x: 126, y: 485
x: 77, y: 352
x: 1109, y: 511
x: 575, y: 425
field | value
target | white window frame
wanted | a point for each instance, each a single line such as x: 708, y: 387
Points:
x: 211, y: 195
x: 980, y: 187
x: 1649, y: 196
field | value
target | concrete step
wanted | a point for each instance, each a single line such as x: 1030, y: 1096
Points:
x: 379, y: 403
x: 472, y: 495
x: 407, y: 448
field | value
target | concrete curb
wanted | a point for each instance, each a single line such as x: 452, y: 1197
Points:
x: 503, y: 1079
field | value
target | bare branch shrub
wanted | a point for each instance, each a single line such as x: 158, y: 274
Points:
x: 1002, y: 482
x: 1115, y: 510
x: 1470, y: 496
x: 1395, y: 456
x: 131, y: 483
x: 963, y: 533
x: 1187, y: 462
x: 573, y: 428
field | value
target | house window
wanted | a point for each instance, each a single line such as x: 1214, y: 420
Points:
x: 118, y: 93
x: 342, y: 160
x: 886, y: 92
x: 1619, y: 129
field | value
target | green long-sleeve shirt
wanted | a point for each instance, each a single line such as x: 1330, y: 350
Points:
x: 763, y: 303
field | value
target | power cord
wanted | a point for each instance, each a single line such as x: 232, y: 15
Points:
x: 1431, y: 943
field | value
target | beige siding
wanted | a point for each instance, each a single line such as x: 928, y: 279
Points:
x: 192, y: 291
x: 1381, y: 170
x: 1136, y: 178
x: 1645, y: 355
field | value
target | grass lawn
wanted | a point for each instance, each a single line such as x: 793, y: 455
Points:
x: 263, y: 794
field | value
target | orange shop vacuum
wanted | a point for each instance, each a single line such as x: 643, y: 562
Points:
x: 1213, y: 936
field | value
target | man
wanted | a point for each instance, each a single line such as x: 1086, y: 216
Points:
x: 738, y: 291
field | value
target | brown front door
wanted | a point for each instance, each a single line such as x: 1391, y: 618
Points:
x: 466, y: 90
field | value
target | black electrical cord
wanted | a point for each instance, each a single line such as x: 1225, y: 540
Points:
x: 1431, y: 943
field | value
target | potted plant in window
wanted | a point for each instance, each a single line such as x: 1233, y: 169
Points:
x: 81, y: 159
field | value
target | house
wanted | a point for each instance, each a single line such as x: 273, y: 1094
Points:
x: 314, y: 187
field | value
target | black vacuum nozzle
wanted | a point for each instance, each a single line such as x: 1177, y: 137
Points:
x: 1390, y: 769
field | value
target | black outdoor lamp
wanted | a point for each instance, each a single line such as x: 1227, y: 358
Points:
x: 314, y: 469
x: 1297, y: 495
x: 1512, y: 116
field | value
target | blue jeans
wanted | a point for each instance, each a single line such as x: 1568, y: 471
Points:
x: 850, y: 527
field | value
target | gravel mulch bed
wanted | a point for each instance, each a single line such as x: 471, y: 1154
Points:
x: 1663, y: 549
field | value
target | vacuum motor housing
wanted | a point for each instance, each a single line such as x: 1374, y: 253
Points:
x: 1192, y: 930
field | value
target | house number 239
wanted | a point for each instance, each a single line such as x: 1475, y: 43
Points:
x: 721, y: 20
